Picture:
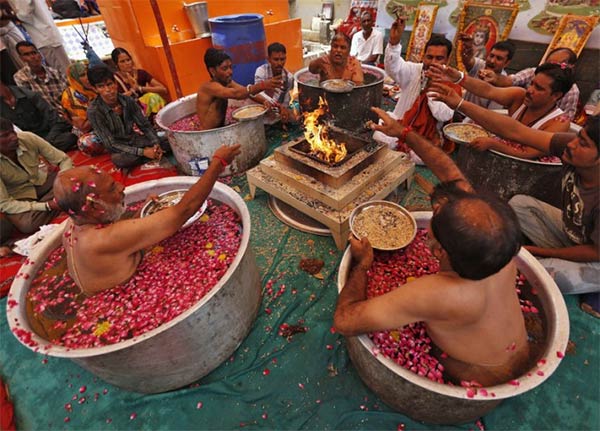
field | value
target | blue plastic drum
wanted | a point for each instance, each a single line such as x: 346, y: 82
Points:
x: 243, y: 38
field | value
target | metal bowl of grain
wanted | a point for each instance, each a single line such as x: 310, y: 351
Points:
x: 464, y: 133
x: 387, y: 226
x: 169, y: 199
x: 248, y: 112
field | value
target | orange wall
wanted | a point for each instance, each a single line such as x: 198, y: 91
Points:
x: 132, y: 25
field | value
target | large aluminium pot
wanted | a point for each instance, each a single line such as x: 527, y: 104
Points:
x: 505, y: 176
x: 178, y: 352
x: 350, y: 110
x: 186, y: 145
x: 432, y: 402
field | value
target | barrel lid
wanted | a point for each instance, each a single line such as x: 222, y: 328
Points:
x: 236, y: 19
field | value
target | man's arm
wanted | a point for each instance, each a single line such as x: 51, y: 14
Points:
x: 50, y: 153
x: 434, y: 157
x: 140, y: 119
x: 501, y: 125
x: 576, y: 253
x: 100, y: 124
x: 136, y: 234
x: 509, y: 97
x: 10, y: 205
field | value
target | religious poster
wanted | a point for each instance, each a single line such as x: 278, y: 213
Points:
x: 422, y: 29
x: 537, y: 20
x: 573, y: 32
x: 487, y: 24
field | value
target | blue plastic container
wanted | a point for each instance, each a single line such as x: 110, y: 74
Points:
x: 243, y: 38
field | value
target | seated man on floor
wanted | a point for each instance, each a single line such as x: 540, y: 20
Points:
x: 26, y: 197
x: 29, y: 111
x: 496, y: 60
x: 101, y: 258
x: 367, y: 45
x: 561, y: 56
x: 113, y: 117
x: 213, y: 96
x: 470, y: 308
x: 36, y: 76
x: 567, y: 239
x: 275, y: 68
x: 535, y: 107
x: 414, y: 108
x: 338, y: 64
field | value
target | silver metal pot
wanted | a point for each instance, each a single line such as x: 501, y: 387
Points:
x: 350, y: 110
x: 432, y: 402
x: 178, y: 352
x: 197, y: 144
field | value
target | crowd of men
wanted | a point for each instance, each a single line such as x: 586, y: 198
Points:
x: 475, y: 236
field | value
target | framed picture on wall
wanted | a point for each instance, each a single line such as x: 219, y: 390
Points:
x: 421, y: 32
x: 487, y: 24
x: 573, y: 32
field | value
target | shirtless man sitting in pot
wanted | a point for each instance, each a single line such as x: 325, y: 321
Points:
x: 211, y: 102
x: 470, y: 308
x: 103, y: 251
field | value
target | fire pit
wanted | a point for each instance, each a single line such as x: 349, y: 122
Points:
x: 329, y: 171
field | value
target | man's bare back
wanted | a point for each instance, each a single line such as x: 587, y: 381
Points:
x: 104, y: 251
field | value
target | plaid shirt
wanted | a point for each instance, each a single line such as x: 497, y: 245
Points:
x: 116, y: 131
x: 568, y: 103
x: 280, y: 95
x: 50, y: 88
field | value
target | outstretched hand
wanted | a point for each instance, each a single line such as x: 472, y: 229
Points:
x: 362, y: 252
x: 227, y: 152
x: 389, y: 126
x: 397, y: 28
x: 443, y: 93
x: 443, y: 73
x: 482, y: 144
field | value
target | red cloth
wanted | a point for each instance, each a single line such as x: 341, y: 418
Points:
x: 421, y: 120
x: 7, y: 412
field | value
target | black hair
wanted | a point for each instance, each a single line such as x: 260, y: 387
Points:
x: 276, y: 47
x: 562, y: 76
x: 439, y: 40
x: 507, y: 46
x: 25, y: 43
x: 6, y: 124
x: 99, y: 74
x: 214, y: 57
x: 479, y: 232
x: 572, y: 60
x: 592, y: 128
x: 339, y: 34
x: 115, y: 55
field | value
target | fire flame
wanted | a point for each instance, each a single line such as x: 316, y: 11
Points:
x: 316, y: 135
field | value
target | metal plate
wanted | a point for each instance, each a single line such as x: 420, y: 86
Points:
x: 248, y: 112
x: 338, y: 85
x: 455, y: 132
x: 168, y: 199
x: 296, y: 219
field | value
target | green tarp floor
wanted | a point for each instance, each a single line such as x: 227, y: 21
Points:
x: 310, y: 382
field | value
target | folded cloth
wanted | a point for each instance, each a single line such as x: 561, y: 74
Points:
x: 25, y: 246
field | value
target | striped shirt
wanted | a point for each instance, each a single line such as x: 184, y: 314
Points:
x: 50, y: 88
x: 117, y: 131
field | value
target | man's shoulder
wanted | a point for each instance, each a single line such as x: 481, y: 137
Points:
x: 23, y: 74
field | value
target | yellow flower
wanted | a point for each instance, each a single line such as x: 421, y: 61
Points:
x: 222, y: 257
x: 211, y: 252
x: 204, y: 218
x: 157, y: 249
x: 395, y: 335
x: 208, y: 245
x: 102, y: 328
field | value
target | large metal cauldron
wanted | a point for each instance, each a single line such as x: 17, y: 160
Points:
x: 432, y: 402
x: 350, y: 110
x: 506, y: 176
x: 196, y: 144
x: 186, y: 348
